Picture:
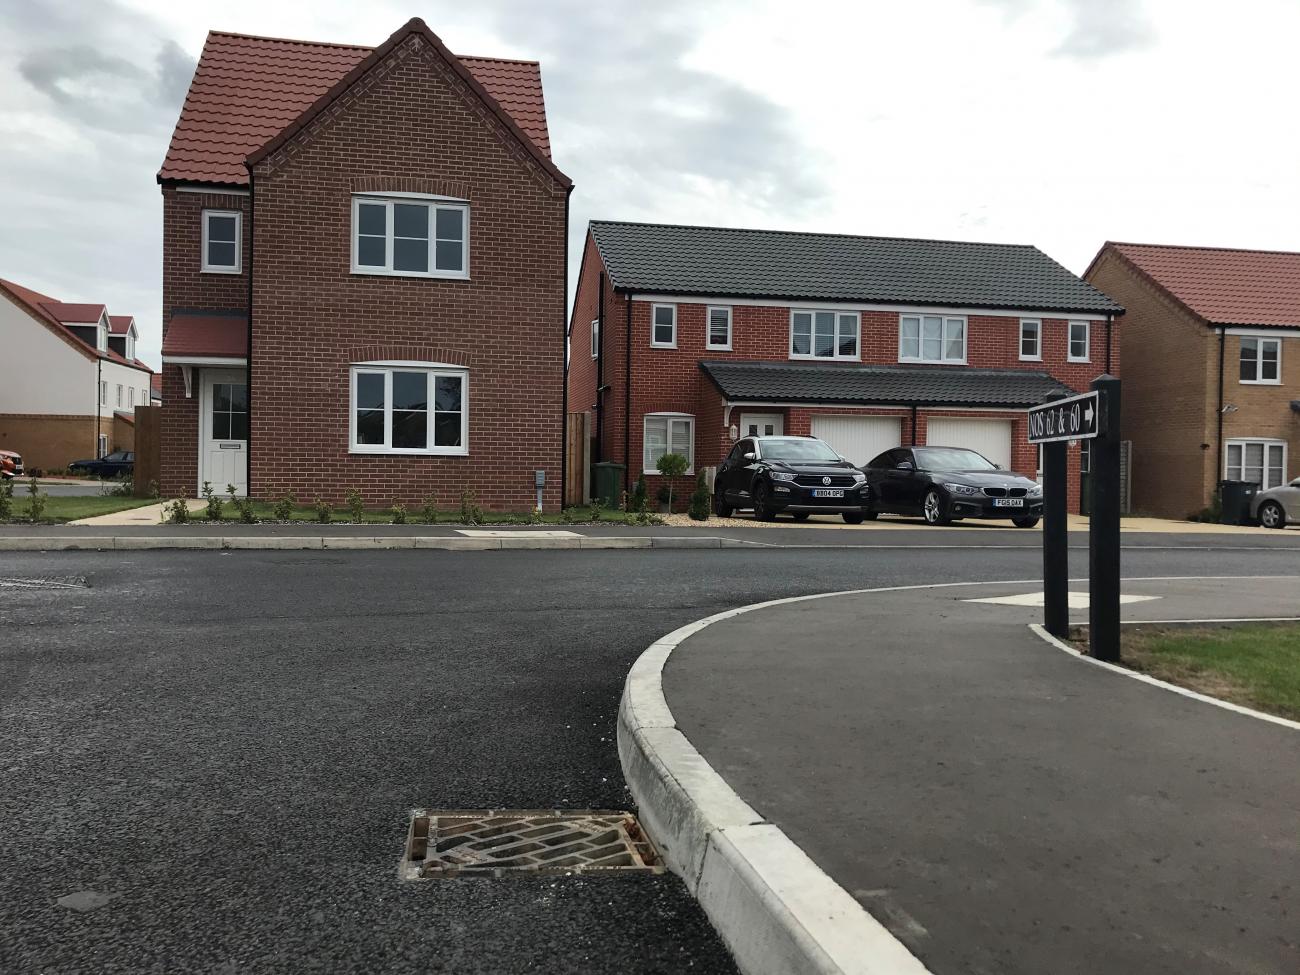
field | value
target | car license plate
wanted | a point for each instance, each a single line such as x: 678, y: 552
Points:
x: 828, y: 493
x: 1008, y: 502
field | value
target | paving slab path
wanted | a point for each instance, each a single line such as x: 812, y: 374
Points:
x: 1000, y: 805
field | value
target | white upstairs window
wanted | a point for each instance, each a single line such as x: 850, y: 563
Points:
x: 221, y: 241
x: 1079, y: 341
x: 1031, y: 338
x: 1261, y: 360
x: 932, y: 338
x: 719, y: 328
x: 823, y: 334
x: 663, y: 326
x: 410, y: 236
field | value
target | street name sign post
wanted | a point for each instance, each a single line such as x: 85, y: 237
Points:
x: 1091, y: 416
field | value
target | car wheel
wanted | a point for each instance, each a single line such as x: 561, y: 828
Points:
x: 853, y: 519
x: 799, y: 515
x: 1024, y: 522
x: 1271, y: 515
x: 763, y: 503
x: 720, y: 506
x: 933, y: 509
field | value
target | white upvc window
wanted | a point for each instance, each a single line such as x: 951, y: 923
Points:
x: 130, y: 346
x: 408, y: 408
x: 718, y: 325
x: 1262, y: 462
x: 1261, y: 360
x: 818, y: 334
x: 222, y: 253
x: 103, y: 445
x: 1031, y: 339
x: 410, y: 236
x: 119, y: 394
x: 103, y: 392
x: 595, y: 337
x: 130, y: 397
x: 1079, y: 342
x: 932, y: 338
x: 663, y: 326
x: 667, y: 433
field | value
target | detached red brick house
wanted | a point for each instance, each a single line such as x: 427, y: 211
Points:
x: 701, y: 335
x: 363, y: 275
x: 1213, y: 338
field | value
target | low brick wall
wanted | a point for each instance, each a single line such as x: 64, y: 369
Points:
x: 47, y: 442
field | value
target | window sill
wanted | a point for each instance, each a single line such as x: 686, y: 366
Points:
x: 1073, y: 359
x: 1259, y: 382
x: 934, y: 362
x: 825, y: 358
x: 1031, y: 358
x: 221, y: 270
x: 717, y: 348
x: 420, y: 275
x: 399, y: 452
x: 663, y: 345
x: 689, y: 473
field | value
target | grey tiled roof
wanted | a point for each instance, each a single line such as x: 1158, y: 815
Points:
x: 666, y: 259
x: 851, y: 383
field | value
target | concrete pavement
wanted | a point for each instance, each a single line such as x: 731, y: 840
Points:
x: 999, y: 806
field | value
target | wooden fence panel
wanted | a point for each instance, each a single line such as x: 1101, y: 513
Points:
x: 577, y: 447
x: 148, y: 449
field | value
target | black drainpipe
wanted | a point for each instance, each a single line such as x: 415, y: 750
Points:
x: 1108, y: 330
x: 600, y: 369
x: 627, y: 403
x: 913, y: 424
x: 566, y: 349
x: 1218, y: 451
x: 248, y: 365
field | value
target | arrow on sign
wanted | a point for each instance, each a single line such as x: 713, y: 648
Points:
x: 1087, y: 413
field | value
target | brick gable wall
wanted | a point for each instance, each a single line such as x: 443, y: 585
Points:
x: 408, y: 122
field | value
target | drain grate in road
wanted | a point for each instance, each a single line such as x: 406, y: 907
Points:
x: 496, y: 842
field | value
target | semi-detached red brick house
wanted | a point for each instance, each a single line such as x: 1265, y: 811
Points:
x: 363, y: 275
x: 701, y: 335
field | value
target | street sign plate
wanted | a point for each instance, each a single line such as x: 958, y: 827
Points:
x: 1075, y: 418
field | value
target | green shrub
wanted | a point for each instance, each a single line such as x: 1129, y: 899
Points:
x: 701, y: 500
x: 398, y: 511
x: 639, y: 494
x: 6, y: 499
x: 430, y: 510
x: 470, y: 512
x: 323, y: 511
x: 594, y: 511
x: 35, y: 502
x: 177, y: 511
x: 569, y: 516
x: 284, y: 507
x: 155, y: 491
x: 356, y: 508
x: 214, y: 502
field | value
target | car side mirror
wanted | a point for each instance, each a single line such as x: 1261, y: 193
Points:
x: 906, y: 466
x: 750, y: 455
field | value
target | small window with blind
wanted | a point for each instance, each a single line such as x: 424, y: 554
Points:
x: 668, y: 433
x: 719, y: 337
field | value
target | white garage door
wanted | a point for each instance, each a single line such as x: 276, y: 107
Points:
x: 992, y: 438
x: 859, y: 438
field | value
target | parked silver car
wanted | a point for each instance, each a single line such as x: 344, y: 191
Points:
x: 1278, y: 506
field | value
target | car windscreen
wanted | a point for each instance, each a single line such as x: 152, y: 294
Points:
x: 951, y: 459
x: 799, y: 451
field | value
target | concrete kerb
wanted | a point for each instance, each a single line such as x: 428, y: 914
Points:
x: 777, y: 911
x: 57, y: 543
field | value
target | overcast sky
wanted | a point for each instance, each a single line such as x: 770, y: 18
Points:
x: 1060, y: 123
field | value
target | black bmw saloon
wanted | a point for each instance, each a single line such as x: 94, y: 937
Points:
x: 944, y: 484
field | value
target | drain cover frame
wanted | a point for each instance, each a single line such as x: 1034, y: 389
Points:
x: 449, y: 843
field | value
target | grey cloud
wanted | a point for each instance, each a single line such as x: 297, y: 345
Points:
x: 1105, y: 27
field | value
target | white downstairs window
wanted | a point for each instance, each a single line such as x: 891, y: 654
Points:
x: 410, y: 236
x: 1261, y: 462
x: 668, y: 433
x: 409, y: 409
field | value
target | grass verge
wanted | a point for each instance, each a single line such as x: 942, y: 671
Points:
x: 1255, y: 665
x: 58, y: 509
x: 266, y: 511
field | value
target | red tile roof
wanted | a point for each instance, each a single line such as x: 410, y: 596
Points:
x: 155, y: 385
x: 246, y: 90
x: 218, y: 336
x: 52, y: 313
x: 1224, y: 286
x: 119, y: 324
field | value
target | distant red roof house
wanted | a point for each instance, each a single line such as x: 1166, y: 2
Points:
x: 66, y: 375
x: 1211, y: 345
x: 247, y: 90
x: 409, y: 244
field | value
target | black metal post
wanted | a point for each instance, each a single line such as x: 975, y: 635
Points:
x: 1103, y: 525
x: 1056, y: 544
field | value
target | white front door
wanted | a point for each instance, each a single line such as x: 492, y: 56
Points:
x: 223, y: 430
x: 761, y: 425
